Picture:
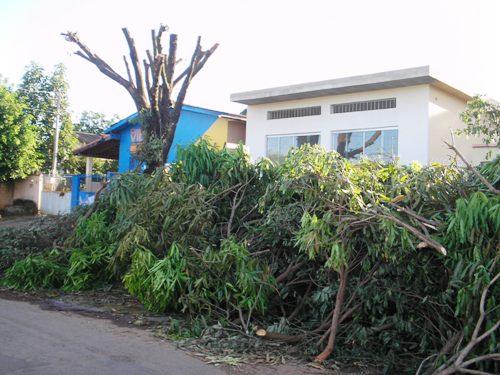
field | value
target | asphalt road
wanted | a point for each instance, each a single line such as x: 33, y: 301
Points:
x: 34, y: 341
x: 39, y: 342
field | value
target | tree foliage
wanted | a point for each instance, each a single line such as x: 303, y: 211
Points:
x: 18, y: 143
x: 482, y: 119
x: 94, y: 122
x: 41, y: 91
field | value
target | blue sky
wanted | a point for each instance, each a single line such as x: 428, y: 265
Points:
x: 262, y: 43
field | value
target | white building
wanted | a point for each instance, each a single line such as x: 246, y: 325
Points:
x: 405, y: 113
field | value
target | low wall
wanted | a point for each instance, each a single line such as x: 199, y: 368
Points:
x: 56, y: 202
x: 30, y: 188
x: 6, y: 194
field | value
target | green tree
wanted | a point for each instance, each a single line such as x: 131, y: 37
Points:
x: 46, y: 95
x: 94, y: 122
x: 482, y: 119
x: 18, y: 144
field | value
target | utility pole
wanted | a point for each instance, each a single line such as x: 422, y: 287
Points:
x: 56, y: 134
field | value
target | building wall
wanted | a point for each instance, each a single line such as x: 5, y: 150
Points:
x: 6, y: 194
x: 444, y: 118
x: 410, y: 117
x: 30, y: 188
x: 217, y: 132
x: 225, y: 131
x: 125, y: 161
x: 192, y: 125
x: 236, y: 132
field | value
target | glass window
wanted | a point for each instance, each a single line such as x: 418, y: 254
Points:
x: 375, y: 144
x: 273, y: 148
x: 307, y: 139
x: 349, y: 145
x: 390, y: 144
x: 278, y: 146
x: 286, y: 143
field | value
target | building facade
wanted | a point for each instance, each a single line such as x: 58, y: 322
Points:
x: 404, y: 114
x: 120, y: 141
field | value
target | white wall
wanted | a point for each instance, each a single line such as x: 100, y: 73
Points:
x: 444, y: 117
x: 30, y: 188
x: 56, y: 202
x: 410, y: 117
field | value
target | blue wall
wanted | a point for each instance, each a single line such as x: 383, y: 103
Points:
x: 126, y: 161
x: 193, y: 123
x: 191, y: 126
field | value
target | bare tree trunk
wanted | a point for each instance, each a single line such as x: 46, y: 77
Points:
x: 339, y: 300
x: 151, y: 85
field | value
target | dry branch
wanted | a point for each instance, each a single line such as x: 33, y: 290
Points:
x: 291, y: 268
x: 426, y: 239
x: 490, y: 187
x: 457, y: 363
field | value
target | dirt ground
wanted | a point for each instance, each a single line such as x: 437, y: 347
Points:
x: 52, y: 334
x: 17, y: 222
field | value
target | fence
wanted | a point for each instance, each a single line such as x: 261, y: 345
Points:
x: 84, y: 188
x: 56, y: 195
x: 53, y: 195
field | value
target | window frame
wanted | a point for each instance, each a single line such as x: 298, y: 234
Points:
x: 295, y: 135
x: 364, y: 131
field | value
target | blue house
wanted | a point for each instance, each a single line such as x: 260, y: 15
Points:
x: 121, y: 140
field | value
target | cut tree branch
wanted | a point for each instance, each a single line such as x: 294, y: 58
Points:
x: 457, y: 363
x: 489, y: 186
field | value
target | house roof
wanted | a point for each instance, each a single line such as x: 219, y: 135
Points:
x: 106, y: 146
x: 84, y: 138
x: 377, y: 81
x: 189, y: 108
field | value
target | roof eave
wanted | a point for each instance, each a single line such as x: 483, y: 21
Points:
x: 347, y: 85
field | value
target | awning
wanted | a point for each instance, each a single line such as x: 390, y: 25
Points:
x: 106, y: 147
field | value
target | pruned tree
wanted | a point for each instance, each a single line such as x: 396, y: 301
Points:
x: 151, y: 85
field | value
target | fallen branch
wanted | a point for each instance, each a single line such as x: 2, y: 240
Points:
x: 457, y: 363
x: 426, y: 239
x: 288, y: 339
x: 431, y: 223
x: 339, y: 299
x: 291, y: 268
x: 93, y: 207
x: 490, y: 187
x: 301, y: 303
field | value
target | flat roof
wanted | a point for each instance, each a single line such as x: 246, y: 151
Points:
x: 368, y: 82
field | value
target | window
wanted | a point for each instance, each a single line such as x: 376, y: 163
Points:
x: 379, y: 144
x: 294, y: 112
x: 278, y: 146
x: 368, y: 105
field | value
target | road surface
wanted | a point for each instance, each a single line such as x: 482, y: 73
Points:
x: 34, y: 341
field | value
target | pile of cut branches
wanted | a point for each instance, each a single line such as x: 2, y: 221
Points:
x: 352, y: 261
